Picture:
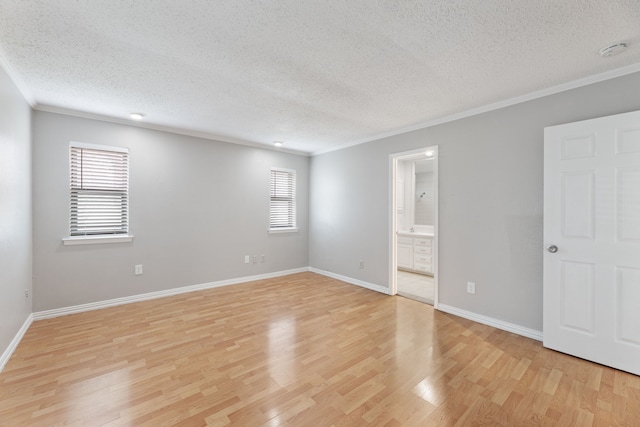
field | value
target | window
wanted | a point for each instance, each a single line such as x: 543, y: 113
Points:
x: 99, y: 191
x: 282, y: 210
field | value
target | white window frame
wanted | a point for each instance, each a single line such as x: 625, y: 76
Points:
x: 291, y: 198
x: 91, y: 238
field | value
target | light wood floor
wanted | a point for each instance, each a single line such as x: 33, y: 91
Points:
x: 303, y: 350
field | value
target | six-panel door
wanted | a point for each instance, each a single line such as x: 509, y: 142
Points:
x: 592, y: 216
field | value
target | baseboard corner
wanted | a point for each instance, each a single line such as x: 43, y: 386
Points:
x: 351, y: 280
x: 6, y: 355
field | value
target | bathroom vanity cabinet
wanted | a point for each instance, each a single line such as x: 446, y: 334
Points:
x: 415, y: 252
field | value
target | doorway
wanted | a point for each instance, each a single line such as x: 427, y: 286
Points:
x: 414, y: 224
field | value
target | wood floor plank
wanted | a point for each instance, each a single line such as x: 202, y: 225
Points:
x: 299, y: 350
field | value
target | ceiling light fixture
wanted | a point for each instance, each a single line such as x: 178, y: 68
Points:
x: 613, y: 49
x: 136, y: 116
x: 278, y: 143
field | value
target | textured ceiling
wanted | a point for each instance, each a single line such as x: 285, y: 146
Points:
x: 314, y: 74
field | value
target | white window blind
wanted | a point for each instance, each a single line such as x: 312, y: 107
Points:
x: 283, y: 199
x: 99, y: 179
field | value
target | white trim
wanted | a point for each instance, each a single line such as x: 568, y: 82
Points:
x: 352, y: 281
x: 286, y: 170
x: 436, y: 227
x: 98, y: 239
x: 162, y: 128
x: 89, y: 146
x: 506, y: 326
x: 283, y: 230
x: 563, y: 87
x: 416, y: 154
x: 17, y: 80
x: 500, y: 324
x: 158, y: 294
x: 393, y: 225
x: 14, y: 342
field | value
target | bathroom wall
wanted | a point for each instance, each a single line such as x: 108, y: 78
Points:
x: 414, y: 207
x: 403, y: 195
x: 424, y: 201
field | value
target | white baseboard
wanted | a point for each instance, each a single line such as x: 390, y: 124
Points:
x: 353, y: 281
x: 500, y: 324
x: 47, y: 314
x: 510, y: 327
x: 14, y: 342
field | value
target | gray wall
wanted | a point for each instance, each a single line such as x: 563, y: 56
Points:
x: 196, y: 208
x: 15, y: 210
x: 490, y: 201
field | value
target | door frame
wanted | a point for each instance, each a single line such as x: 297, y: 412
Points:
x: 393, y: 216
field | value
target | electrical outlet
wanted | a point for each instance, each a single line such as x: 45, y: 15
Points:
x: 263, y: 258
x: 255, y: 259
x: 26, y: 293
x: 247, y: 259
x: 361, y: 265
x: 138, y: 269
x: 471, y: 287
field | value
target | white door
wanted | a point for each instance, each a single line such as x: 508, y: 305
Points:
x: 592, y: 240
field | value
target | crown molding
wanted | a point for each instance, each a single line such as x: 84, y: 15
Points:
x: 596, y: 78
x: 17, y: 81
x: 162, y: 128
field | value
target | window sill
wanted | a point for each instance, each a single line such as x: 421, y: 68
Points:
x: 283, y: 230
x: 96, y: 240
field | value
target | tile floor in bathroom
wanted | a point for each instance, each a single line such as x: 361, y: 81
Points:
x: 416, y: 286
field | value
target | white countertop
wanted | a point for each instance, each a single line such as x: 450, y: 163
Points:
x: 414, y: 234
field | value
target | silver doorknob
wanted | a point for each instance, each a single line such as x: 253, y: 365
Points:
x: 552, y: 248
